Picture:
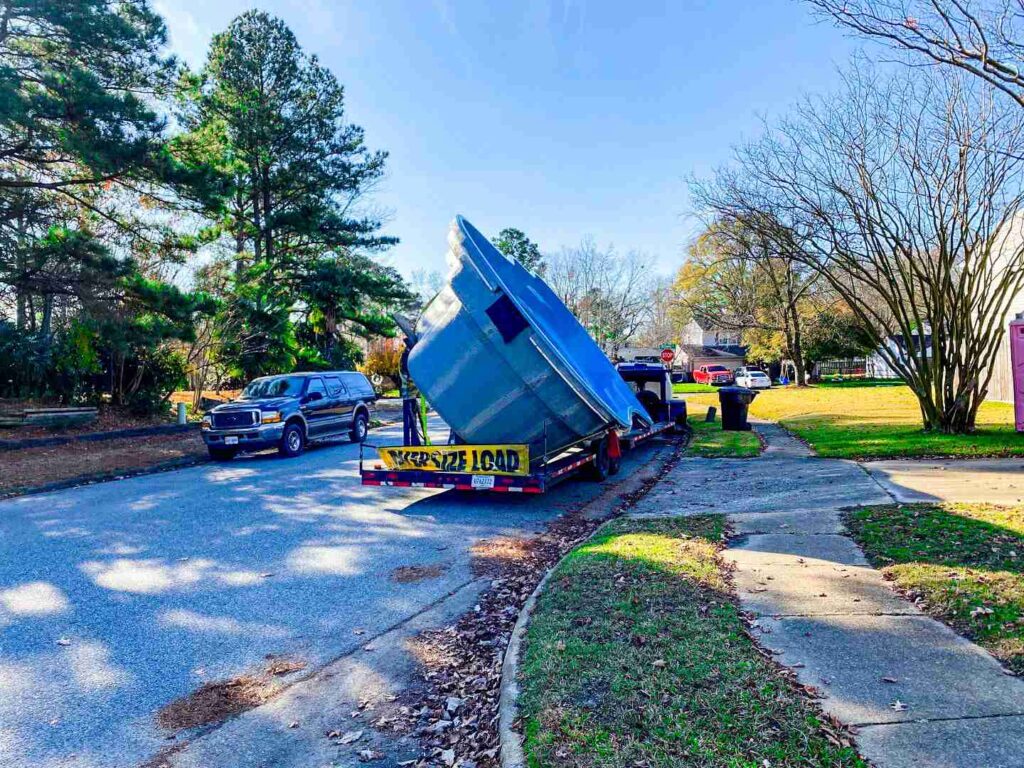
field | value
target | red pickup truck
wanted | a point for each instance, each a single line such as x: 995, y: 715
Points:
x: 712, y: 374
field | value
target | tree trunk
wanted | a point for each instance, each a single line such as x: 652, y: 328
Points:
x: 21, y: 312
x: 44, y: 328
x: 798, y: 348
x: 239, y: 233
x: 257, y: 220
x: 269, y: 241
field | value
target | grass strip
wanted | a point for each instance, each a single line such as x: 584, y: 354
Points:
x: 710, y: 440
x: 637, y: 656
x: 866, y: 420
x: 964, y: 561
x: 685, y: 388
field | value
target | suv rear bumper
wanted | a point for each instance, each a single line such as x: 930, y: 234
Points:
x: 253, y: 438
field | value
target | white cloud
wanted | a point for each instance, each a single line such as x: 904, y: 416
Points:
x: 188, y: 38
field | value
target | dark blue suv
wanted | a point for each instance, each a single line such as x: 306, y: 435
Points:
x: 289, y: 411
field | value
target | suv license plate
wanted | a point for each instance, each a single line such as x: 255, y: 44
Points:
x: 482, y: 482
x: 230, y: 441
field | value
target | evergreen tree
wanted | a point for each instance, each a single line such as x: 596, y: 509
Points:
x: 273, y: 119
x: 86, y: 174
x: 515, y: 244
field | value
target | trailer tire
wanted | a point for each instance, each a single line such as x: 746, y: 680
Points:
x: 614, y: 465
x: 599, y: 469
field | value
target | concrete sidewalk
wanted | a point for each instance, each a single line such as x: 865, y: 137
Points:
x: 918, y: 694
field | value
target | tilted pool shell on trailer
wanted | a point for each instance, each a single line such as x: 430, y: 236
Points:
x: 502, y: 360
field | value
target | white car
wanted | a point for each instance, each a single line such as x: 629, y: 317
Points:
x: 751, y: 378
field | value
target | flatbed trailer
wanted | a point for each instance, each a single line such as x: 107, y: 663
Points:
x: 586, y: 456
x: 597, y: 455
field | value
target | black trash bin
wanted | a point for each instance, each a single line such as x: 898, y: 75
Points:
x: 735, y: 402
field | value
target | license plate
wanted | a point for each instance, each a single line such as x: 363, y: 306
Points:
x: 230, y: 441
x: 482, y: 482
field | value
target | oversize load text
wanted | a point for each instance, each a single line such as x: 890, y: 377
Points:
x: 469, y: 459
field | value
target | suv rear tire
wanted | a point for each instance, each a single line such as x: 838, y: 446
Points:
x: 360, y: 425
x: 292, y: 441
x: 222, y: 454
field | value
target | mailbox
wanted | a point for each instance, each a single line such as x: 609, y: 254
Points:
x: 1017, y: 362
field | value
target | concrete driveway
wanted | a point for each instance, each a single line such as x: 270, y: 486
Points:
x: 116, y: 599
x: 992, y: 481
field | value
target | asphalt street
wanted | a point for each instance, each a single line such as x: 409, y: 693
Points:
x: 118, y: 598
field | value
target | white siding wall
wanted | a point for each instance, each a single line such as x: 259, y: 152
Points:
x: 1001, y: 386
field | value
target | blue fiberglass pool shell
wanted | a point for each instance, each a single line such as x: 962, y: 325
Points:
x: 502, y: 359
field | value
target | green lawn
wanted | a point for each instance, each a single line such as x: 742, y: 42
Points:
x: 637, y: 656
x: 876, y: 420
x: 965, y: 560
x: 710, y: 440
x: 684, y: 389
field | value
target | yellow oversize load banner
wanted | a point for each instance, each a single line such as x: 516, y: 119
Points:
x: 468, y: 459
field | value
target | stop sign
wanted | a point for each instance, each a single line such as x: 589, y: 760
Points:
x: 667, y: 356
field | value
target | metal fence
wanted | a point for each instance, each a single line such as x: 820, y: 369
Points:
x: 854, y: 367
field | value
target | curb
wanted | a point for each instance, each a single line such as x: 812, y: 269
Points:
x: 103, y: 477
x: 509, y: 741
x: 89, y: 437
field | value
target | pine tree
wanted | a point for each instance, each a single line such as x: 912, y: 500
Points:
x: 273, y: 119
x: 515, y: 244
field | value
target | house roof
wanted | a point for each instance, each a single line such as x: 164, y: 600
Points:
x: 699, y: 350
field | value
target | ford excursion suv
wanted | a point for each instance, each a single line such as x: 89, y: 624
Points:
x: 289, y: 411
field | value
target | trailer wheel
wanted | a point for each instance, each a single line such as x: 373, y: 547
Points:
x: 599, y: 469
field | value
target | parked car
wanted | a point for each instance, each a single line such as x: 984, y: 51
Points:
x: 290, y: 411
x: 751, y: 378
x: 712, y: 374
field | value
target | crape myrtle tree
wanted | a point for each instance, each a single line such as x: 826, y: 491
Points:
x: 984, y: 39
x: 903, y: 194
x: 302, y: 285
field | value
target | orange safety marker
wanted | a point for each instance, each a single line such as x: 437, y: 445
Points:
x: 614, y: 448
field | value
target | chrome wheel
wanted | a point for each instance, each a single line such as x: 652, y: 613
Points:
x: 292, y: 441
x: 359, y: 428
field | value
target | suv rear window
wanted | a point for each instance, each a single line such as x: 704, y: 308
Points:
x: 334, y: 386
x: 357, y: 384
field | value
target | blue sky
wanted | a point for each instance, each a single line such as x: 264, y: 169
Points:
x: 563, y: 118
